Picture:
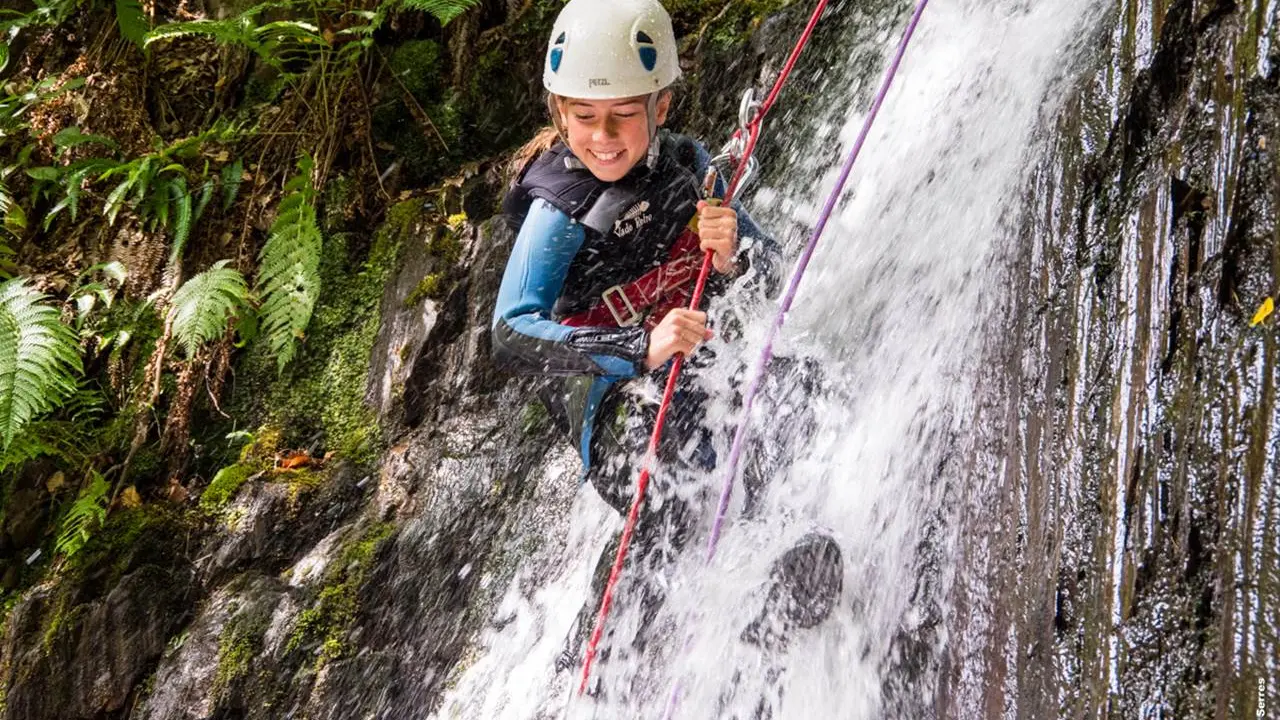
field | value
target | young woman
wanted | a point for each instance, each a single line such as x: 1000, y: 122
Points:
x: 612, y: 227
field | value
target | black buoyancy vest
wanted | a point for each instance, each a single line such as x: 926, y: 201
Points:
x: 630, y: 224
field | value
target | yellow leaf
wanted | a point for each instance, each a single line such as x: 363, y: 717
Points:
x: 55, y: 482
x: 1268, y: 306
x: 130, y: 498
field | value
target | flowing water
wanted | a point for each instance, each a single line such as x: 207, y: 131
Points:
x: 905, y: 307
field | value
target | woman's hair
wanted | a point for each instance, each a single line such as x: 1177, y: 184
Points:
x: 541, y: 142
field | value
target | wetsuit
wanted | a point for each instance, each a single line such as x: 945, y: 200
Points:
x: 577, y: 238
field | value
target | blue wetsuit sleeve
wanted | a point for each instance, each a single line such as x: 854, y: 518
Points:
x: 756, y: 249
x: 525, y: 337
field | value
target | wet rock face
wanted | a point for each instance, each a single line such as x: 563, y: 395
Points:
x: 92, y: 666
x: 250, y: 532
x: 1133, y: 557
x: 217, y: 652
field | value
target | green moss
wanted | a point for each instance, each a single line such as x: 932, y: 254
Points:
x: 418, y: 65
x: 234, y: 654
x: 425, y: 148
x: 339, y: 193
x: 324, y: 625
x: 130, y: 537
x: 224, y: 486
x: 239, y: 643
x: 63, y: 618
x: 428, y: 289
x: 323, y: 392
x: 147, y: 463
x: 300, y: 481
x: 534, y: 418
x: 445, y: 248
x: 263, y: 447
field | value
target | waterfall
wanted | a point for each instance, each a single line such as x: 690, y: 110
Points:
x: 898, y: 307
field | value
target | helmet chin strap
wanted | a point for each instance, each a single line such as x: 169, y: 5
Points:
x: 651, y: 111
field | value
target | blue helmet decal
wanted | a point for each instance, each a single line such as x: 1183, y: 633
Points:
x: 648, y: 53
x: 649, y: 58
x: 557, y: 54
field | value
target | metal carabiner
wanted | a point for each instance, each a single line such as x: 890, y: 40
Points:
x: 733, y: 150
x: 747, y: 109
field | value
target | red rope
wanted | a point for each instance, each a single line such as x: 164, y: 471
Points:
x: 642, y: 485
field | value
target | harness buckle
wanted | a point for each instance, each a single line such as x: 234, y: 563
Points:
x: 633, y: 317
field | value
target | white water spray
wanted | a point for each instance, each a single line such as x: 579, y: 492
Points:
x: 895, y: 307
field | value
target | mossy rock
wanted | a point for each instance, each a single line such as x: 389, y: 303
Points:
x: 323, y: 626
x: 224, y: 486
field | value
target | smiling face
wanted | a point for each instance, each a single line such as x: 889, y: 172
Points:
x: 609, y: 136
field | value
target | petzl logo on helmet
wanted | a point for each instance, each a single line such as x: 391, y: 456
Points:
x: 598, y: 82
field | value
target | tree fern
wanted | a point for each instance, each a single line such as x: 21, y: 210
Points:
x: 203, y: 306
x: 444, y: 10
x: 84, y: 517
x: 289, y: 277
x: 132, y: 21
x: 39, y: 358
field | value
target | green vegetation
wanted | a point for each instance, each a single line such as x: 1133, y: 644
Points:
x: 224, y: 486
x: 289, y: 280
x: 325, y: 623
x: 38, y: 358
x: 239, y: 643
x: 85, y: 516
x: 203, y: 307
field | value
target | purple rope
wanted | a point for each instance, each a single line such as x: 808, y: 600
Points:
x: 739, y: 438
x: 753, y: 388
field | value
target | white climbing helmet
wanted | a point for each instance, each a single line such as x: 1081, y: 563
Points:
x: 605, y: 49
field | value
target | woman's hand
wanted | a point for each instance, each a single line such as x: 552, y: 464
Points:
x: 680, y: 331
x: 718, y: 230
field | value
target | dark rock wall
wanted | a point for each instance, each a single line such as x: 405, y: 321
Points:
x: 1127, y: 567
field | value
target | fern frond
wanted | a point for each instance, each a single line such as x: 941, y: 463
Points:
x: 6, y: 196
x: 132, y: 21
x: 274, y: 42
x: 231, y: 177
x: 232, y: 31
x: 203, y: 306
x: 206, y: 194
x: 39, y: 358
x: 27, y: 445
x: 289, y: 277
x: 84, y: 517
x: 62, y: 440
x: 444, y: 10
x: 182, y: 217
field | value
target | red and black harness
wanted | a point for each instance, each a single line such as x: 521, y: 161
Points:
x: 648, y: 298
